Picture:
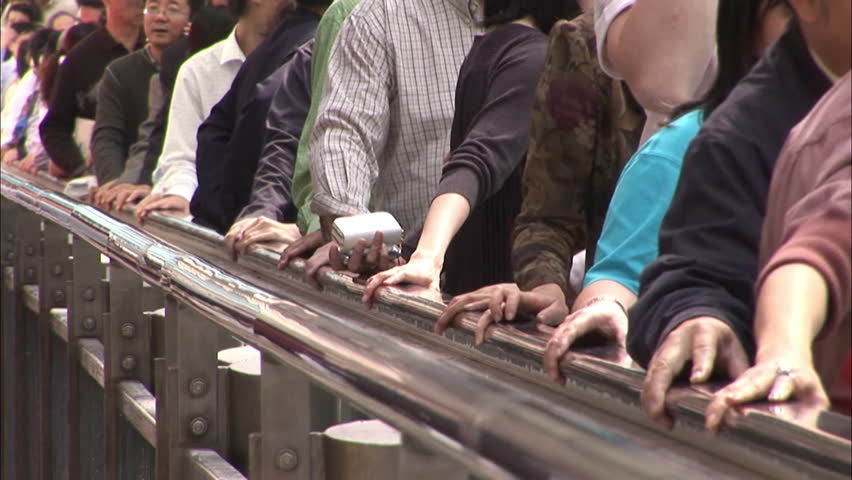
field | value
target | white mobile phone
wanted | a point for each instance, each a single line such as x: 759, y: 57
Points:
x: 346, y: 231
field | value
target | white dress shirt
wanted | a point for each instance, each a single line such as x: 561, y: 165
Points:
x: 201, y: 82
x: 12, y: 110
x: 383, y: 128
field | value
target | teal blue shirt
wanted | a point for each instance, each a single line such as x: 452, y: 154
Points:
x: 629, y: 240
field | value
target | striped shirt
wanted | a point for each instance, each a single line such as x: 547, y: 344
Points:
x: 383, y: 128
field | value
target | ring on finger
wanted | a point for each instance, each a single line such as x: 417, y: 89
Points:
x: 782, y: 371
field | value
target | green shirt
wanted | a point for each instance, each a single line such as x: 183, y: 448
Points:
x: 325, y: 37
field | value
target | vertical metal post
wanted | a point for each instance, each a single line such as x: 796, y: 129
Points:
x: 53, y: 293
x: 417, y: 462
x: 127, y: 356
x: 192, y: 410
x: 27, y: 271
x: 86, y: 306
x: 8, y: 334
x: 289, y: 408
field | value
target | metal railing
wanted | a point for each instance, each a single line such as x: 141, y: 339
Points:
x: 98, y: 382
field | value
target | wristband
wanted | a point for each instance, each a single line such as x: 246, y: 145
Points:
x: 606, y: 298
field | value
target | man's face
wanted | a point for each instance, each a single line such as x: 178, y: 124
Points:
x: 13, y: 47
x: 17, y: 17
x: 270, y: 11
x: 90, y: 14
x: 165, y: 21
x: 64, y: 22
x: 128, y: 11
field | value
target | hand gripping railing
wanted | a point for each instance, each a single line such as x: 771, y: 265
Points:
x: 494, y: 419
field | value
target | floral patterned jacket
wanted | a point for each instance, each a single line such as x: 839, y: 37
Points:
x: 584, y: 128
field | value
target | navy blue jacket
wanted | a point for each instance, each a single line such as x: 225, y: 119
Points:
x: 231, y: 139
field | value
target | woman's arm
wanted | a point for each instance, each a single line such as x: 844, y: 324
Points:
x: 792, y: 307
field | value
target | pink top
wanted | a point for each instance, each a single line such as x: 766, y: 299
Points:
x: 809, y: 214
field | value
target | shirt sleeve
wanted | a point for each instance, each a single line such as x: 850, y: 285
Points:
x: 214, y: 134
x: 57, y: 128
x: 816, y: 232
x: 628, y: 242
x: 271, y: 190
x: 708, y: 245
x: 175, y: 172
x: 138, y: 151
x: 352, y: 125
x: 605, y: 12
x: 497, y: 139
x: 551, y: 226
x: 34, y: 145
x: 109, y: 137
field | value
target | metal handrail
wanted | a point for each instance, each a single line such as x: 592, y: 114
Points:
x: 496, y: 429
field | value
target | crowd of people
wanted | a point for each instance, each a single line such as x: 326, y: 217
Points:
x: 670, y: 176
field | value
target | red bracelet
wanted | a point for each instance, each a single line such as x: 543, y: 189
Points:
x: 606, y: 298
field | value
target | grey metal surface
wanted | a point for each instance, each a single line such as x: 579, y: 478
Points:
x: 498, y: 429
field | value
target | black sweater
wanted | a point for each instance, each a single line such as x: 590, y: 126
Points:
x: 231, y: 139
x: 75, y: 95
x: 122, y: 107
x: 489, y: 138
x: 710, y: 236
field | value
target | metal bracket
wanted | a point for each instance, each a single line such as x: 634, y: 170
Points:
x: 193, y: 417
x: 53, y: 293
x: 86, y: 305
x: 285, y: 422
x: 27, y: 357
x: 127, y: 354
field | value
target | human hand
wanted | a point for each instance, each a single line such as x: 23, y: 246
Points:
x: 605, y: 316
x: 97, y: 194
x: 126, y: 194
x: 377, y: 258
x: 777, y: 378
x: 505, y: 301
x: 319, y: 258
x: 707, y: 342
x: 28, y: 165
x: 249, y: 232
x: 10, y: 156
x: 173, y: 204
x: 421, y: 270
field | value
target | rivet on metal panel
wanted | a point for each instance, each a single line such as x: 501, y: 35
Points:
x: 29, y: 250
x: 128, y: 330
x: 10, y: 256
x: 30, y: 274
x: 10, y: 236
x: 59, y: 296
x: 128, y: 362
x: 89, y: 294
x: 197, y: 387
x: 57, y: 270
x: 89, y: 323
x: 198, y: 426
x: 287, y: 460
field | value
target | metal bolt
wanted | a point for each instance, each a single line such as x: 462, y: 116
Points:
x: 89, y: 294
x: 29, y: 250
x: 287, y: 460
x: 59, y: 296
x: 30, y: 274
x: 10, y: 256
x: 197, y: 387
x: 57, y: 270
x: 128, y: 330
x: 198, y: 426
x: 128, y: 362
x: 89, y: 323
